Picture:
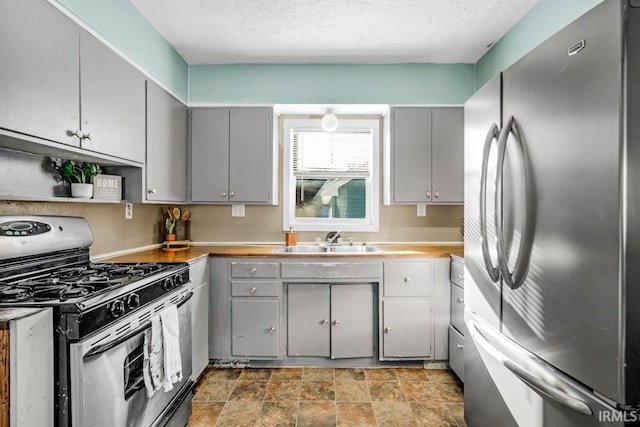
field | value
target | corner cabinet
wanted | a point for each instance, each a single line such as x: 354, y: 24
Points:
x: 166, y: 166
x: 61, y: 85
x: 424, y: 152
x: 234, y: 155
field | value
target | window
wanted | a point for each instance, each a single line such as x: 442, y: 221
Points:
x: 331, y: 178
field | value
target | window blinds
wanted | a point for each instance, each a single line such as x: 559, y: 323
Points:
x: 336, y: 154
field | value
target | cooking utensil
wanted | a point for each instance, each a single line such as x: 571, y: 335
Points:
x: 176, y: 213
x: 186, y: 215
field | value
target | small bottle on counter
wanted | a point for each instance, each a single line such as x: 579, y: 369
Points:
x: 291, y: 239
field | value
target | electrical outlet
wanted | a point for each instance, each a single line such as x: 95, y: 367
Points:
x: 237, y: 210
x: 128, y: 211
x: 421, y: 210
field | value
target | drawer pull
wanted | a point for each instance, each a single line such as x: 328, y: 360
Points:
x: 387, y: 330
x: 407, y: 279
x: 460, y: 345
x: 253, y: 270
x: 325, y: 322
x: 253, y: 290
x: 461, y: 277
x: 272, y: 329
x: 460, y: 300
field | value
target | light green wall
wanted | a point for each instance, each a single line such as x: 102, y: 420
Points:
x: 542, y: 21
x: 332, y: 83
x: 127, y: 29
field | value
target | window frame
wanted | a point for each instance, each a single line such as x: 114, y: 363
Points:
x: 371, y: 221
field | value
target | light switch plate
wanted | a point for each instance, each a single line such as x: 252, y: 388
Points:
x: 421, y: 210
x: 128, y: 211
x: 237, y: 210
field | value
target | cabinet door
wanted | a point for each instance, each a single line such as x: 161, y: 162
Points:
x: 166, y: 146
x: 112, y: 102
x: 250, y: 155
x: 39, y: 71
x: 209, y: 154
x: 351, y: 321
x: 200, y: 329
x: 308, y: 320
x: 447, y: 155
x: 411, y: 154
x: 407, y: 328
x: 255, y: 328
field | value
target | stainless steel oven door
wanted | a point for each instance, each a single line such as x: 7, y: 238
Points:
x: 107, y: 385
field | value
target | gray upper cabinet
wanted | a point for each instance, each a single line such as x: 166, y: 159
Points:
x: 425, y: 155
x: 233, y: 155
x: 112, y: 102
x: 166, y: 171
x: 39, y: 71
x: 60, y: 84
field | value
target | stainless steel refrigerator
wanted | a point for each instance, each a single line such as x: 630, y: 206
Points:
x: 552, y: 231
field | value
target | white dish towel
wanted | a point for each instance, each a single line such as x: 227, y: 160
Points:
x: 171, y: 341
x: 152, y: 366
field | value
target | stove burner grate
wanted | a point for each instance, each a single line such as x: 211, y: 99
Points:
x: 11, y: 293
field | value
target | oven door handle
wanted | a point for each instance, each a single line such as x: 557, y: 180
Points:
x: 101, y: 348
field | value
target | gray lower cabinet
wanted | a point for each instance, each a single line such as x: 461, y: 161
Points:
x: 407, y: 320
x: 457, y: 329
x: 166, y: 164
x: 255, y: 328
x: 199, y: 274
x: 326, y: 320
x: 233, y: 155
x: 425, y: 155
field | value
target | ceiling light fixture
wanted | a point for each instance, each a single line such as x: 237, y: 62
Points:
x: 329, y: 121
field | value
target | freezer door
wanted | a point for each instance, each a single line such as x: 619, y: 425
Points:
x: 482, y: 126
x: 512, y: 387
x: 561, y: 178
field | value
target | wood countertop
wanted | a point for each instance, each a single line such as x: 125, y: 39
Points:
x: 195, y: 252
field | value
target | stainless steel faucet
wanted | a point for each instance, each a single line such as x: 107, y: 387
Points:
x: 333, y: 236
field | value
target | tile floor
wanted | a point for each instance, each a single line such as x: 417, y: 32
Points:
x: 327, y: 397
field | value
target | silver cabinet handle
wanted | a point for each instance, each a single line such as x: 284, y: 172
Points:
x: 336, y: 322
x: 428, y: 194
x: 492, y: 270
x: 407, y: 279
x: 325, y: 322
x: 516, y: 278
x: 387, y: 330
x: 272, y: 329
x: 461, y: 277
x: 436, y: 194
x: 223, y: 194
x: 253, y: 270
x: 76, y: 133
x: 151, y: 191
x: 87, y: 136
x: 460, y: 300
x: 460, y: 345
x: 253, y: 290
x: 231, y: 194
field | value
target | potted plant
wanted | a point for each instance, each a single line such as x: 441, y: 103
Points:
x: 79, y: 175
x: 169, y: 225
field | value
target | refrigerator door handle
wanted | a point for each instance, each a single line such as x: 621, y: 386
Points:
x: 492, y: 271
x: 547, y: 390
x: 516, y: 278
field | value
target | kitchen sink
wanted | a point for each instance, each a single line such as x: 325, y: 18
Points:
x: 327, y: 250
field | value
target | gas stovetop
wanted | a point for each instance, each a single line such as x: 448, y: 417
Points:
x: 75, y: 282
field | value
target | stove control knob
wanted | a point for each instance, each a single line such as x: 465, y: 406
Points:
x: 117, y: 308
x: 168, y: 284
x: 133, y: 301
x: 179, y: 280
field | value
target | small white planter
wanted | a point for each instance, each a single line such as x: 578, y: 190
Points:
x: 81, y: 191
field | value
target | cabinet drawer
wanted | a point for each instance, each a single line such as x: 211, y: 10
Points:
x: 457, y: 272
x: 254, y: 270
x: 408, y: 279
x: 254, y: 288
x: 457, y: 308
x: 456, y: 352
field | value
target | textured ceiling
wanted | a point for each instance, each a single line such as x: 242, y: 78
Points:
x: 332, y: 31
